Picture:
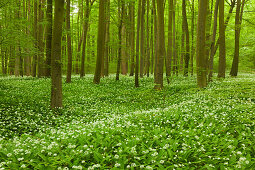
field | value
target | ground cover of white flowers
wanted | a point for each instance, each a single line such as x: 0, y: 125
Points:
x: 116, y: 126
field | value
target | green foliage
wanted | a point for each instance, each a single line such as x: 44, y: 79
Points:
x: 114, y: 125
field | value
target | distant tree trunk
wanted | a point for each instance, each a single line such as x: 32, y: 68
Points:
x: 56, y: 72
x: 138, y: 44
x: 85, y: 31
x: 213, y: 41
x: 238, y: 21
x: 170, y: 41
x: 201, y: 37
x: 142, y: 40
x: 152, y: 41
x: 28, y: 58
x: 132, y: 36
x: 161, y: 49
x: 100, y: 41
x: 222, y: 46
x: 3, y: 63
x: 36, y: 40
x: 107, y: 39
x: 156, y: 44
x: 192, y: 38
x: 12, y: 60
x: 69, y: 42
x: 186, y: 29
x: 40, y: 41
x: 232, y: 5
x: 148, y: 54
x: 174, y: 42
x: 49, y: 38
x: 18, y: 56
x: 121, y: 15
x: 208, y: 33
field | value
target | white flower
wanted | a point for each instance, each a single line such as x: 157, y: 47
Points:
x: 116, y: 156
x: 117, y: 165
x: 162, y: 161
x: 239, y: 153
x: 23, y: 166
x: 20, y: 159
x: 9, y: 154
x: 133, y: 165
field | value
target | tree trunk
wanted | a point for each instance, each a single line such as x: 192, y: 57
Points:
x: 170, y: 41
x: 213, y: 41
x: 100, y: 41
x: 192, y: 38
x: 238, y: 21
x: 107, y: 39
x: 137, y: 44
x: 69, y: 42
x: 142, y: 51
x: 56, y: 72
x: 49, y: 38
x: 34, y: 64
x: 85, y: 31
x: 222, y: 46
x: 40, y: 42
x: 161, y: 49
x: 148, y: 54
x: 201, y: 37
x: 186, y: 29
x: 132, y: 37
x: 121, y: 15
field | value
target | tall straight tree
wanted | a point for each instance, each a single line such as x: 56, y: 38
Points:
x: 213, y: 41
x: 36, y: 39
x: 238, y: 21
x: 132, y: 36
x: 222, y: 45
x: 142, y: 40
x: 170, y: 41
x: 100, y: 41
x: 186, y: 30
x: 137, y: 44
x: 161, y: 49
x: 84, y: 36
x: 201, y: 37
x: 56, y: 71
x: 48, y: 38
x: 69, y: 42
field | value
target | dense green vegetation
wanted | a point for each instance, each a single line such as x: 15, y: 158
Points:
x: 115, y: 125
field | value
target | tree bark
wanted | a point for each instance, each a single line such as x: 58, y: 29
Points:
x: 201, y: 37
x: 34, y: 64
x: 138, y: 44
x: 213, y: 41
x: 222, y: 45
x: 186, y: 29
x: 142, y: 51
x: 48, y: 38
x: 132, y: 37
x: 170, y: 41
x: 69, y: 42
x: 56, y: 71
x: 100, y: 41
x: 161, y: 49
x: 238, y: 21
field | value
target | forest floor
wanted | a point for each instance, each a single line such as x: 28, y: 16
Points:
x: 115, y: 125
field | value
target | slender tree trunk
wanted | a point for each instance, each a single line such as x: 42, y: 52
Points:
x: 192, y: 38
x: 85, y: 31
x: 121, y: 15
x: 132, y: 37
x: 142, y: 51
x: 213, y: 41
x: 152, y: 40
x: 107, y: 40
x: 40, y: 42
x: 138, y: 44
x: 222, y: 46
x: 186, y: 29
x: 174, y: 41
x: 238, y: 21
x: 100, y: 41
x: 36, y: 39
x: 56, y: 72
x: 148, y: 54
x: 201, y: 38
x: 161, y: 49
x: 69, y: 42
x: 155, y: 39
x: 170, y: 41
x: 49, y: 38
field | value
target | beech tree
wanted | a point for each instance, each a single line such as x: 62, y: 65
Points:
x: 56, y: 70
